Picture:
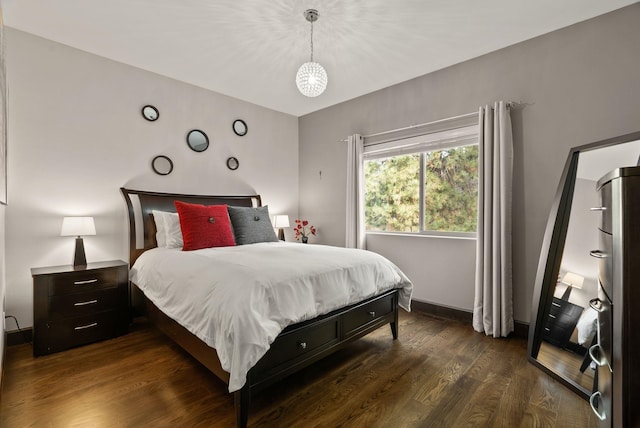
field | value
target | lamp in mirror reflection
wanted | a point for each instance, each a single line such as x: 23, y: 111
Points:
x: 78, y: 227
x: 571, y: 280
x: 280, y: 222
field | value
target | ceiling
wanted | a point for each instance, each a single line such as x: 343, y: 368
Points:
x: 251, y: 49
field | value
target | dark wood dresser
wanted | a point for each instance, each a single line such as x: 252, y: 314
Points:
x: 73, y: 307
x: 561, y: 321
x: 617, y: 351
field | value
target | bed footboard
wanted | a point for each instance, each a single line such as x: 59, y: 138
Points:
x: 300, y: 345
x: 297, y: 347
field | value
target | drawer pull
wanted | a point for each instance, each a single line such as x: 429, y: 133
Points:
x: 88, y: 281
x: 598, y: 209
x: 552, y: 316
x: 82, y: 327
x: 372, y: 314
x: 598, y: 254
x: 88, y: 302
x: 302, y: 345
x: 597, y: 396
x: 596, y: 305
x: 555, y: 304
x: 597, y: 355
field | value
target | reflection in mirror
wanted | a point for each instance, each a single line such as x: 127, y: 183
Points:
x: 563, y: 324
x: 162, y: 165
x: 150, y: 113
x: 232, y: 163
x: 197, y: 140
x: 240, y: 127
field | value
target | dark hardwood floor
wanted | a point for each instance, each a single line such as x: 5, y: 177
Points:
x: 439, y: 373
x: 567, y: 363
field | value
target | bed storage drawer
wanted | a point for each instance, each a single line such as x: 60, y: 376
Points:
x: 300, y: 342
x: 367, y: 313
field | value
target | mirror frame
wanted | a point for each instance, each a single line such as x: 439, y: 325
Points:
x: 206, y: 137
x: 243, y: 130
x: 156, y: 169
x: 145, y: 111
x: 233, y: 163
x: 552, y: 251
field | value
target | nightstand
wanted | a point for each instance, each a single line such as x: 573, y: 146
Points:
x: 561, y: 321
x: 76, y: 306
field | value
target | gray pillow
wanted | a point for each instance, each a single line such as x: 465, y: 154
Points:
x: 251, y: 225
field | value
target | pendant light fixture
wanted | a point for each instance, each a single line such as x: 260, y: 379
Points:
x: 311, y: 77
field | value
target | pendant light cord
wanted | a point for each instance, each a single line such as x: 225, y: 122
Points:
x: 311, y: 41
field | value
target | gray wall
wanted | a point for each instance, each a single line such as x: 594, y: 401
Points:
x: 578, y: 85
x: 76, y: 136
x: 3, y: 291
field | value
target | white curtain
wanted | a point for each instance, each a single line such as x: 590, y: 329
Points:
x: 355, y: 236
x: 493, y: 303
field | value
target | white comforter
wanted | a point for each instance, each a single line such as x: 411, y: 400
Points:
x: 238, y: 299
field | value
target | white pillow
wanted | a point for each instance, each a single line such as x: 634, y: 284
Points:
x: 161, y: 234
x: 169, y: 234
x: 173, y: 231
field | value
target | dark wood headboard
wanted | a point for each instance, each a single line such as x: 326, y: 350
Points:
x: 140, y: 204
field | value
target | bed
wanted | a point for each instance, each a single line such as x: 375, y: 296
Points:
x: 289, y: 342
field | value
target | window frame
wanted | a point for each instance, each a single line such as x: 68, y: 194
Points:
x: 460, y: 136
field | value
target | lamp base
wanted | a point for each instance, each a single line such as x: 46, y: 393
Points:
x: 79, y: 259
x: 281, y: 234
x: 567, y: 293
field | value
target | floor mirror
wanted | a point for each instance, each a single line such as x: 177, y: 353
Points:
x: 563, y: 326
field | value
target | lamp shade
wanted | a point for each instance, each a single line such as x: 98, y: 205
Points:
x: 573, y: 279
x: 78, y: 226
x: 281, y: 221
x: 311, y: 79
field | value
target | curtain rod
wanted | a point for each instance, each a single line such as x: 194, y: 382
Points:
x: 462, y: 116
x: 510, y: 104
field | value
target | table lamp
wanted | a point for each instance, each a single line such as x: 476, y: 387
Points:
x: 280, y: 222
x: 571, y: 280
x: 78, y: 227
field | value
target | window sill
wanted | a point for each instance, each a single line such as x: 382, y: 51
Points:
x: 445, y: 235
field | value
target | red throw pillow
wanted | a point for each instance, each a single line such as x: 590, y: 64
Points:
x: 204, y: 226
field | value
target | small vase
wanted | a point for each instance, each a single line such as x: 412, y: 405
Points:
x: 305, y: 239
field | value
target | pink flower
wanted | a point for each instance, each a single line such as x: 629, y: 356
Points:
x: 301, y: 231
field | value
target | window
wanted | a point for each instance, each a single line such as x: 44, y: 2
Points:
x: 423, y: 184
x: 392, y: 194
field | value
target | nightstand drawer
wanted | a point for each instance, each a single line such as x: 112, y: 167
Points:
x: 368, y: 313
x: 561, y: 321
x: 81, y: 282
x: 67, y: 333
x: 78, y: 304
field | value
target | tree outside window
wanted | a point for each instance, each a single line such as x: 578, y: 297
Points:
x: 450, y: 189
